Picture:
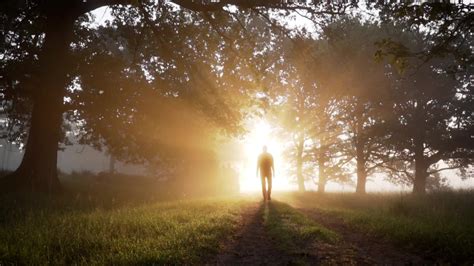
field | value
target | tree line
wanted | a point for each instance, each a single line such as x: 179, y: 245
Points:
x: 350, y: 111
x: 125, y: 85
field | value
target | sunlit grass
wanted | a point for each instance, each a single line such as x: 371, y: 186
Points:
x: 438, y: 225
x: 179, y: 232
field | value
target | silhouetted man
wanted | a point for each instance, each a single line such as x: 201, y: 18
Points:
x: 267, y: 170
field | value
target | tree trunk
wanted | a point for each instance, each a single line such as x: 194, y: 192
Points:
x: 322, y: 184
x: 421, y: 169
x: 419, y: 185
x: 361, y: 170
x: 38, y: 169
x: 360, y: 142
x: 421, y: 163
x: 299, y: 167
x: 322, y: 173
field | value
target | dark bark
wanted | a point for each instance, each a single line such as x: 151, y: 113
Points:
x: 421, y: 169
x: 419, y: 185
x: 38, y: 169
x: 421, y: 163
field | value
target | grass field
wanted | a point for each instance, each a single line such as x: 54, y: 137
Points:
x: 95, y: 230
x: 438, y: 225
x: 114, y: 220
x: 126, y: 224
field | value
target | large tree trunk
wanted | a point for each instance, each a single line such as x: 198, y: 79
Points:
x: 361, y: 170
x: 360, y: 150
x: 419, y: 184
x: 421, y: 169
x: 38, y: 169
x: 299, y: 167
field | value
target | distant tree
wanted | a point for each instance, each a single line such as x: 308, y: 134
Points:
x: 295, y: 117
x: 330, y: 146
x: 407, y: 127
x: 360, y: 85
x: 311, y: 122
x: 431, y: 123
x: 307, y: 115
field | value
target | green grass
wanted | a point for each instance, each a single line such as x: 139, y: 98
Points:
x: 438, y: 225
x: 52, y: 231
x: 293, y: 230
x: 124, y: 221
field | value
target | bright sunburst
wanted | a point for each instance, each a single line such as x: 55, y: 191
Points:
x: 261, y: 133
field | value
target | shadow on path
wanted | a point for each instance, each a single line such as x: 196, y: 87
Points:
x: 252, y: 245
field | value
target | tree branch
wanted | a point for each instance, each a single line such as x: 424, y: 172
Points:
x: 444, y: 169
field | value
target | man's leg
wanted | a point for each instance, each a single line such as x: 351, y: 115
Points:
x: 264, y: 189
x: 269, y: 180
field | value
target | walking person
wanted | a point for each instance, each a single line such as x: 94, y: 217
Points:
x: 266, y: 169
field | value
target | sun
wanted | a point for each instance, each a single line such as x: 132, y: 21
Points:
x: 262, y: 133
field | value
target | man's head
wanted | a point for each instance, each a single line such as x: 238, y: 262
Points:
x: 264, y: 149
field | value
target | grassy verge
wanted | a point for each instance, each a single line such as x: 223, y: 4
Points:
x: 293, y: 230
x: 437, y: 225
x: 180, y: 232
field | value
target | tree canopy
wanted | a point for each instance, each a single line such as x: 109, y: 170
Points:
x: 158, y: 70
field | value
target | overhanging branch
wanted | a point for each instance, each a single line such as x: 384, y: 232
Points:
x: 217, y: 5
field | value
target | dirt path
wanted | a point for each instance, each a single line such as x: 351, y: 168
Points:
x: 252, y: 245
x: 358, y: 248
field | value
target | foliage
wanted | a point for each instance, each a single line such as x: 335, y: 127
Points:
x: 448, y: 28
x: 157, y: 71
x: 430, y: 124
x: 353, y: 76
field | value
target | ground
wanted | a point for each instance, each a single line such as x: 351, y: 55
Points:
x: 253, y: 245
x: 293, y: 228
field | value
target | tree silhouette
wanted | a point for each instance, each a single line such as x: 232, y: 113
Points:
x: 431, y: 121
x: 359, y: 85
x: 41, y: 60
